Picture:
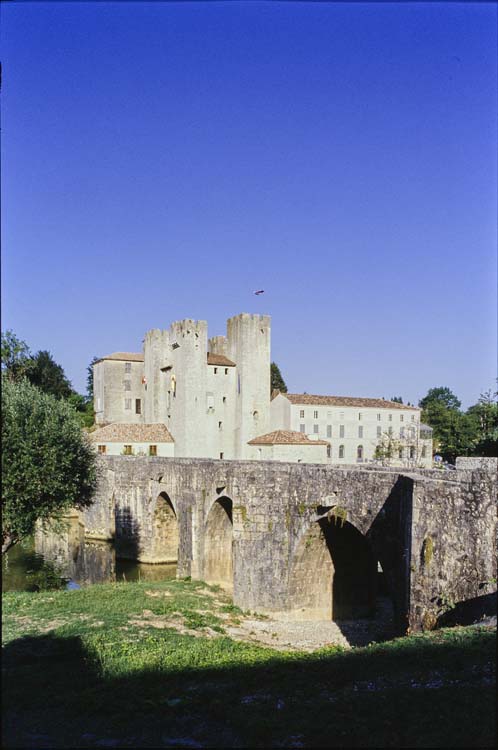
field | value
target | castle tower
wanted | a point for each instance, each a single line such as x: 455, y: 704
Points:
x: 157, y: 355
x: 186, y: 387
x: 248, y: 345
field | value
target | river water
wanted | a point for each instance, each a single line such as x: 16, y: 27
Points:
x: 70, y: 560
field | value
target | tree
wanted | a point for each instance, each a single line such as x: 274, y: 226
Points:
x: 89, y: 379
x: 49, y: 376
x: 441, y: 395
x: 16, y: 356
x: 484, y: 416
x: 276, y: 380
x: 48, y: 464
x: 397, y: 399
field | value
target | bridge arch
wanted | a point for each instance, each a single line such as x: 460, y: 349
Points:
x: 165, y: 536
x: 333, y: 573
x: 218, y: 543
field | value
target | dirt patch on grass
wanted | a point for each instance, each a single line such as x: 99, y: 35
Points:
x: 175, y: 621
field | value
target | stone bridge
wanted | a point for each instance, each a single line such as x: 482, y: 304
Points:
x: 306, y: 541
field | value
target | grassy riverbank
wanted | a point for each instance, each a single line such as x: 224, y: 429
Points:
x: 152, y: 665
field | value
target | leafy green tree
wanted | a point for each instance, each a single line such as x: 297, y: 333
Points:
x: 47, y: 375
x: 48, y: 465
x: 17, y: 360
x: 397, y: 399
x: 276, y: 380
x: 89, y: 379
x: 484, y: 416
x: 441, y: 395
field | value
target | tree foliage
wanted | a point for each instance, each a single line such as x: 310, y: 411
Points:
x: 43, y: 371
x: 89, y: 379
x: 458, y: 433
x: 47, y: 375
x: 48, y: 465
x: 276, y: 380
x: 443, y: 396
x: 16, y: 356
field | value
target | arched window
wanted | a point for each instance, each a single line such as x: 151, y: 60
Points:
x: 359, y: 453
x: 341, y: 451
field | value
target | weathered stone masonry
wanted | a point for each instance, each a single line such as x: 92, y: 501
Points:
x: 303, y: 540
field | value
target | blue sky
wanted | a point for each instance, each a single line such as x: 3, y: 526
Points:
x: 165, y: 160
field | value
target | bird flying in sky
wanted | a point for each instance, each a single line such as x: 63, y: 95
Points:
x: 260, y: 291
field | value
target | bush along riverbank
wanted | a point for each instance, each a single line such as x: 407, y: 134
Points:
x: 175, y: 664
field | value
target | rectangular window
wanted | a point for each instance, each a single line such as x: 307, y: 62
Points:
x: 413, y: 417
x: 127, y: 403
x: 127, y: 385
x: 127, y: 366
x: 215, y: 370
x: 315, y: 429
x: 301, y: 413
x: 359, y: 415
x: 210, y: 401
x: 329, y: 415
x: 379, y: 417
x: 341, y: 430
x: 402, y: 432
x: 152, y: 450
x: 379, y: 431
x: 102, y: 448
x: 390, y: 430
x: 302, y: 428
x: 220, y: 425
x: 360, y: 431
x: 341, y: 415
x: 329, y: 430
x: 401, y: 418
x: 221, y: 455
x: 138, y: 406
x: 226, y: 370
x: 315, y: 415
x: 390, y: 417
x: 127, y: 450
x: 329, y: 451
x: 341, y: 451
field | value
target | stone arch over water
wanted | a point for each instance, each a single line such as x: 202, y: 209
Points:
x: 218, y: 544
x: 165, y: 535
x: 333, y: 573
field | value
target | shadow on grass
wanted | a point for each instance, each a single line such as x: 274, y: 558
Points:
x: 468, y: 611
x: 415, y: 692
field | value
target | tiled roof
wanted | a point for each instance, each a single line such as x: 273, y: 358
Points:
x: 285, y: 437
x: 220, y: 359
x: 124, y: 356
x: 375, y: 403
x: 132, y: 433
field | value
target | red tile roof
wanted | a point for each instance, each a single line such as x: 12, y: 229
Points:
x: 285, y: 437
x: 375, y: 403
x: 219, y: 359
x: 124, y: 356
x: 132, y: 433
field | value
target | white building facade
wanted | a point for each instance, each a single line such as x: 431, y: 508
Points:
x: 213, y: 398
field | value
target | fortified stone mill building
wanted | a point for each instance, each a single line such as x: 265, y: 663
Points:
x: 301, y: 530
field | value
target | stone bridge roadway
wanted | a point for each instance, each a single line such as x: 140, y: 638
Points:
x: 305, y: 541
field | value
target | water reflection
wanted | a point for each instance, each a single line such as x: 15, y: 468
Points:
x: 68, y: 559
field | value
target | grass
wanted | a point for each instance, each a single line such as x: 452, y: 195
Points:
x: 151, y: 665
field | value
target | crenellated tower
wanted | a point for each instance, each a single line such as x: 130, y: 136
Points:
x: 248, y: 345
